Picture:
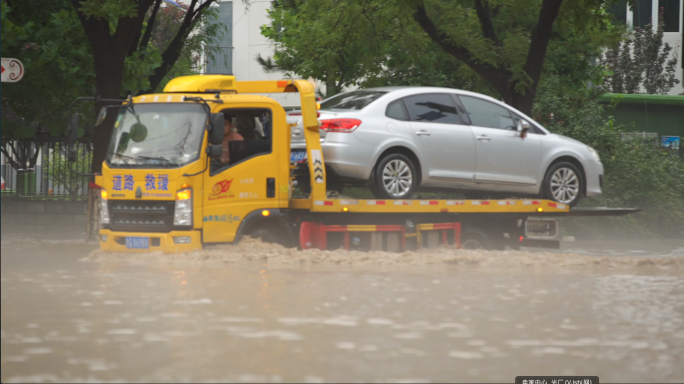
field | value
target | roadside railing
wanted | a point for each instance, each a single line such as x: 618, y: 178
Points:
x: 38, y: 169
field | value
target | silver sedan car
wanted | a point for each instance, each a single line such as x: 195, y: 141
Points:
x: 401, y: 139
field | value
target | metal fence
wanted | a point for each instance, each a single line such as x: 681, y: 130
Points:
x: 38, y: 169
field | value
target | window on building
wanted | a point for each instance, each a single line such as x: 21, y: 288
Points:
x: 643, y: 11
x: 219, y: 58
x: 671, y: 14
x: 619, y: 12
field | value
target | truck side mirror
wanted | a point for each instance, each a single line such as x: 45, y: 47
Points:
x: 73, y: 126
x: 215, y: 128
x: 214, y: 150
x: 523, y: 128
x: 101, y: 116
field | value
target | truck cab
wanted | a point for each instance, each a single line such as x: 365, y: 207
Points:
x: 164, y: 189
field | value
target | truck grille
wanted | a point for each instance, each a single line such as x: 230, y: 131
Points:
x: 141, y: 216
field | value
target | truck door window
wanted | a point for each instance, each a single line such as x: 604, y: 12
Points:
x: 248, y: 133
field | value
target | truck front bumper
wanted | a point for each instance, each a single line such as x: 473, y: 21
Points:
x: 111, y: 241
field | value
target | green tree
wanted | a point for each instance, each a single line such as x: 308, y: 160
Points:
x: 637, y: 174
x: 337, y: 42
x: 507, y: 42
x: 483, y: 47
x: 119, y: 33
x: 48, y: 38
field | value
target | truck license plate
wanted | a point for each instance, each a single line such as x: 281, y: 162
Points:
x: 297, y: 155
x: 137, y: 242
x: 541, y: 228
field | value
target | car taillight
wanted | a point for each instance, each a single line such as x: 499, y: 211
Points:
x: 340, y: 125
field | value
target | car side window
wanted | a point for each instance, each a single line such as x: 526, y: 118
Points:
x: 396, y: 111
x: 432, y: 108
x: 487, y: 114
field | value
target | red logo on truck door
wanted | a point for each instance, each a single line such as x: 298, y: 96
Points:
x: 220, y: 190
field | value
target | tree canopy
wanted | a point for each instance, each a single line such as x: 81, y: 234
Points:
x: 500, y: 47
x: 107, y: 48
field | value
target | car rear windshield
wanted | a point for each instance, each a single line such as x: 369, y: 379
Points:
x: 351, y: 100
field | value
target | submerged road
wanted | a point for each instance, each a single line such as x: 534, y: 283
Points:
x: 261, y: 313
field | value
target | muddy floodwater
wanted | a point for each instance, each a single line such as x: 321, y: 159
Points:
x: 261, y: 313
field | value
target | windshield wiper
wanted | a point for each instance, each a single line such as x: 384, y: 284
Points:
x: 161, y: 158
x: 123, y: 157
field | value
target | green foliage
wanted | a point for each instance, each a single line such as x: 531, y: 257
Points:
x: 56, y: 167
x: 50, y: 42
x: 336, y: 42
x: 637, y: 174
x: 48, y: 37
x: 375, y: 43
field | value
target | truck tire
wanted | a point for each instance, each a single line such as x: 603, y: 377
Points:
x: 270, y: 234
x: 474, y: 240
x: 395, y: 177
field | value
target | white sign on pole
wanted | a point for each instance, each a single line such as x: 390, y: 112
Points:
x: 12, y: 70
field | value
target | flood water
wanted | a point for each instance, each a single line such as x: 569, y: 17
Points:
x: 261, y: 313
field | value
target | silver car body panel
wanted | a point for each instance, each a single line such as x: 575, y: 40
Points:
x: 466, y: 157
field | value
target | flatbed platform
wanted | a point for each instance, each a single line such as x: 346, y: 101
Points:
x: 431, y: 206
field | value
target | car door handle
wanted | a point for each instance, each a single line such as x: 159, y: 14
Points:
x: 422, y: 133
x: 483, y: 138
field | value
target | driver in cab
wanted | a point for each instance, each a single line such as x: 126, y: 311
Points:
x: 229, y: 134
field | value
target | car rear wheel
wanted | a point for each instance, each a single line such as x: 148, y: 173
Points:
x: 563, y: 184
x: 395, y: 177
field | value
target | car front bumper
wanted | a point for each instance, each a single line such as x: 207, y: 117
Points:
x: 594, y: 179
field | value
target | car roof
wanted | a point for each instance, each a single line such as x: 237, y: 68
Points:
x: 411, y: 89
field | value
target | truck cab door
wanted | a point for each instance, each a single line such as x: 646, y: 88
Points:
x: 248, y: 180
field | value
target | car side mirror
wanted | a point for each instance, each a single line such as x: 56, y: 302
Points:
x: 214, y: 150
x: 523, y: 128
x: 215, y: 128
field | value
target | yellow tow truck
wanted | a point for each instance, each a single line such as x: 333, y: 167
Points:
x: 208, y: 161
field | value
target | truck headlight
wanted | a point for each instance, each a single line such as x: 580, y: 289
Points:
x: 183, y: 212
x: 594, y: 154
x: 104, y: 210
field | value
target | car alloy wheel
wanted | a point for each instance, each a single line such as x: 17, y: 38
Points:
x: 394, y: 177
x: 565, y: 185
x: 397, y: 178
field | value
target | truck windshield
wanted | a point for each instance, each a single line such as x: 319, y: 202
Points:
x: 158, y: 134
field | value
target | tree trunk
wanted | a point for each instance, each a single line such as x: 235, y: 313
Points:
x: 109, y: 79
x: 501, y: 77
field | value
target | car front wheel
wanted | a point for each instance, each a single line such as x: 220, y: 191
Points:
x: 563, y: 184
x: 395, y: 177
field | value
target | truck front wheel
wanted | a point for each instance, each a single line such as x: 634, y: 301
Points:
x: 271, y: 234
